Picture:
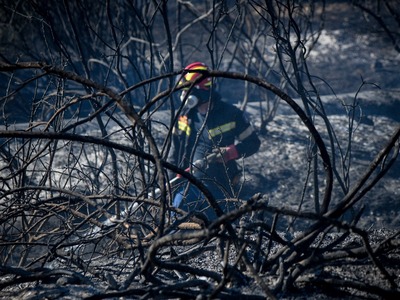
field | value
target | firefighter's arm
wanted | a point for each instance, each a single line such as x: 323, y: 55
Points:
x: 243, y: 148
x: 248, y: 142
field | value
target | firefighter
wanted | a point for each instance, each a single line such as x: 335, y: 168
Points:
x: 214, y: 133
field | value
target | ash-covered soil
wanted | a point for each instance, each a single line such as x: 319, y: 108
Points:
x: 354, y: 276
x: 280, y: 169
x: 279, y: 172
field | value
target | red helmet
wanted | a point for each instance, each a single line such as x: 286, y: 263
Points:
x: 205, y: 84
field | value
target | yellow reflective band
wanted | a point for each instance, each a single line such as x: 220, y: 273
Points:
x: 184, y: 125
x: 245, y: 134
x: 221, y: 129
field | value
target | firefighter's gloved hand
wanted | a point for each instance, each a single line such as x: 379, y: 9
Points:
x: 224, y: 154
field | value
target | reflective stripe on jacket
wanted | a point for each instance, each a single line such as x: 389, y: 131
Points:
x: 226, y: 125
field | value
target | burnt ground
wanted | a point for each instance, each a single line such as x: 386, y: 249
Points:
x: 279, y: 171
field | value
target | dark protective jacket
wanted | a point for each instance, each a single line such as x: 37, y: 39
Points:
x: 225, y: 125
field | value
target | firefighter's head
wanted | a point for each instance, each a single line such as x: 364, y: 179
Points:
x: 201, y: 89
